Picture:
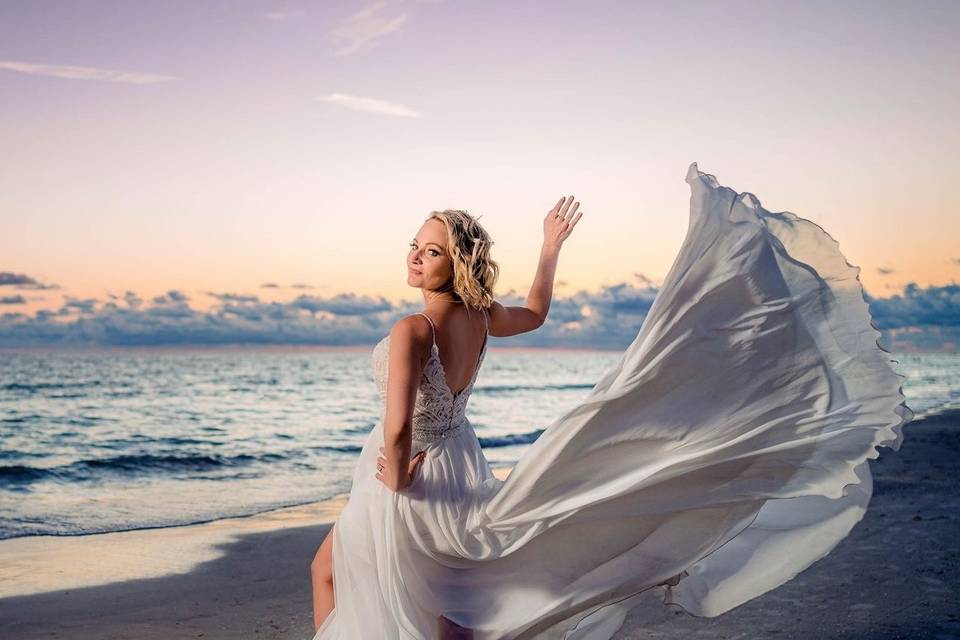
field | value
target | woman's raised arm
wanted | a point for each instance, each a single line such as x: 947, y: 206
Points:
x: 557, y: 226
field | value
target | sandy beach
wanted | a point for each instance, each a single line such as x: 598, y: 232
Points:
x: 896, y: 576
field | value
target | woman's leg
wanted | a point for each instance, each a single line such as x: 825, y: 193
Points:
x: 321, y: 570
x: 450, y: 630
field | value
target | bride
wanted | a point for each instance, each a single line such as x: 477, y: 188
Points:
x: 724, y: 453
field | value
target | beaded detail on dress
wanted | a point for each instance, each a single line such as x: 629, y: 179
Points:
x: 438, y: 412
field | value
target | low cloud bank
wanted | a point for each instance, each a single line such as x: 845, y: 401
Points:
x: 916, y: 319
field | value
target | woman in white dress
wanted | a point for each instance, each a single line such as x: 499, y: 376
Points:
x: 724, y: 453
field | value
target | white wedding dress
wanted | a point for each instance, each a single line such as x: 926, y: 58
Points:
x: 724, y: 453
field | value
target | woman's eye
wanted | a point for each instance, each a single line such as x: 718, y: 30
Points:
x: 432, y: 252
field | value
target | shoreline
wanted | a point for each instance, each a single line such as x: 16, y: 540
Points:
x: 896, y: 575
x: 46, y: 563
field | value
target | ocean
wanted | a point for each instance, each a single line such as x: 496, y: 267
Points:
x: 117, y: 439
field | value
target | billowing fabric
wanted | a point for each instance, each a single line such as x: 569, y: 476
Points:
x: 724, y: 453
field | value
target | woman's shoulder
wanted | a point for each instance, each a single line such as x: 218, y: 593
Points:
x: 412, y: 333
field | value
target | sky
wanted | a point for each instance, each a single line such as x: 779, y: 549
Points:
x: 273, y: 160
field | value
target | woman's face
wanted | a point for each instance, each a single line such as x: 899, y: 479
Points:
x: 428, y: 264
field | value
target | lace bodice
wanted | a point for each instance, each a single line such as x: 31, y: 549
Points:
x: 438, y: 412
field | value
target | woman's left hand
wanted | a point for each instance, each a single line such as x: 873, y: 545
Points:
x: 386, y: 475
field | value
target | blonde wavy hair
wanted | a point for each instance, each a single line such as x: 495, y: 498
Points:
x: 474, y: 272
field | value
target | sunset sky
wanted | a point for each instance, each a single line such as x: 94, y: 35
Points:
x: 212, y: 148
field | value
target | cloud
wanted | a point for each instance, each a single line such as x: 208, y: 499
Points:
x: 369, y: 104
x: 348, y: 304
x: 22, y: 281
x: 17, y: 299
x: 172, y: 297
x: 361, y: 31
x: 255, y: 323
x: 607, y: 318
x: 295, y: 285
x: 934, y: 305
x: 643, y: 279
x: 71, y: 72
x: 232, y: 297
x: 88, y: 305
x: 884, y: 271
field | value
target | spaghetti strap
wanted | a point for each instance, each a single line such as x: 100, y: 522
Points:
x: 433, y: 327
x: 486, y: 323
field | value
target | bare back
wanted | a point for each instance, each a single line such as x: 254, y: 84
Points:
x: 460, y: 335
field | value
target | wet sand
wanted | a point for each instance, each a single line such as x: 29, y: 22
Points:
x: 896, y: 576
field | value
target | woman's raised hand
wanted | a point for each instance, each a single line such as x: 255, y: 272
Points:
x: 560, y: 222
